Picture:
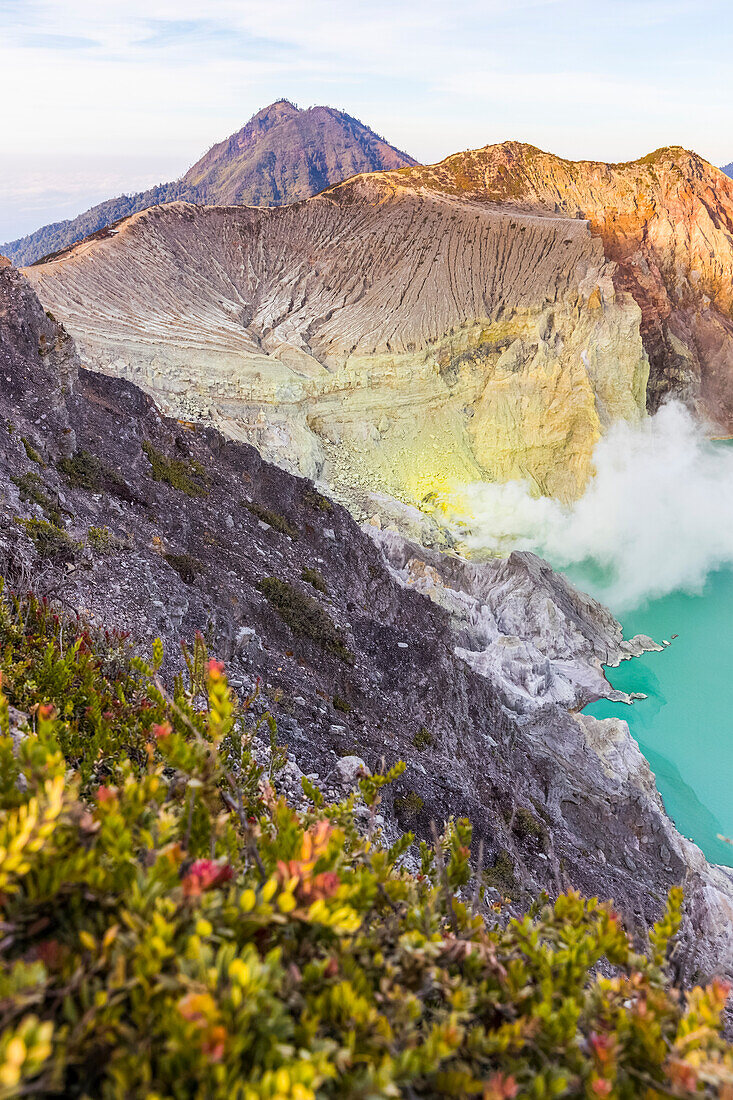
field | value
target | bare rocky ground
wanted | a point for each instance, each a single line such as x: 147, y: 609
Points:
x: 384, y: 675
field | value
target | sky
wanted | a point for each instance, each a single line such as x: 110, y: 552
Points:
x: 107, y: 96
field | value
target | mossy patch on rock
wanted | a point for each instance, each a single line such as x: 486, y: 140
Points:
x: 83, y: 470
x: 305, y: 616
x: 409, y: 804
x: 317, y: 500
x: 188, y: 477
x: 51, y: 541
x: 32, y: 489
x: 501, y: 875
x: 528, y: 827
x: 423, y: 739
x: 272, y: 519
x: 186, y: 566
x: 32, y: 453
x: 312, y: 576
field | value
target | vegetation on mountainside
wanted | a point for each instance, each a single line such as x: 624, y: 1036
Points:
x: 314, y: 578
x: 305, y: 616
x: 188, y: 477
x: 84, y: 470
x: 278, y: 157
x: 272, y: 519
x: 31, y: 452
x: 51, y: 541
x: 32, y: 490
x: 186, y: 566
x: 172, y: 928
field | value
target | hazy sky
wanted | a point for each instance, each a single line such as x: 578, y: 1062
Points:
x: 104, y: 96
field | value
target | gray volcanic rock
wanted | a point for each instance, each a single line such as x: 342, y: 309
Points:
x: 282, y: 155
x: 571, y: 801
x: 517, y: 622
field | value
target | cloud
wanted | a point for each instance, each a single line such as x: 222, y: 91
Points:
x: 657, y: 517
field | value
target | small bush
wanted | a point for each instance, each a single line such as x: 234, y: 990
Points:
x: 31, y: 488
x: 305, y: 617
x: 272, y: 519
x: 313, y: 577
x: 31, y: 452
x: 51, y: 541
x: 103, y: 541
x: 186, y: 566
x: 528, y: 827
x: 83, y: 470
x: 317, y: 500
x: 187, y: 477
x: 423, y: 739
x: 501, y: 875
x: 408, y: 805
x: 341, y: 704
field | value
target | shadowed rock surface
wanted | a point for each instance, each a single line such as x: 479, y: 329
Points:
x: 282, y: 154
x: 570, y: 800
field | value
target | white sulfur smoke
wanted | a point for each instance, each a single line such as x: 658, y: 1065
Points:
x: 658, y: 515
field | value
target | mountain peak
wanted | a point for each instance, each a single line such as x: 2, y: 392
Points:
x: 273, y: 113
x: 282, y: 155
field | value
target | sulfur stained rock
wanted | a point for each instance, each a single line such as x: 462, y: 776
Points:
x: 436, y: 341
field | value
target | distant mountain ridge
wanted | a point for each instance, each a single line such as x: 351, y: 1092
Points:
x: 283, y: 154
x: 728, y: 169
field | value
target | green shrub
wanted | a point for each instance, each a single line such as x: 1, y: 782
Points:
x: 173, y: 928
x: 272, y: 519
x: 423, y: 739
x: 31, y: 488
x: 186, y: 566
x: 100, y: 538
x: 83, y: 470
x: 31, y: 452
x: 51, y: 541
x: 341, y: 704
x: 317, y: 500
x: 408, y: 805
x: 314, y: 578
x: 501, y: 874
x: 188, y: 477
x: 305, y: 616
x: 103, y: 541
x: 527, y: 826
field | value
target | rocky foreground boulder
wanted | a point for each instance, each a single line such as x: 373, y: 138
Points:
x: 165, y: 528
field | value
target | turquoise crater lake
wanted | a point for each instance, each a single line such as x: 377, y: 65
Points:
x: 685, y: 726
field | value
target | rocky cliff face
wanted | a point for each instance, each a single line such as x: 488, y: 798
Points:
x: 164, y: 528
x: 375, y: 337
x: 282, y: 155
x: 665, y: 220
